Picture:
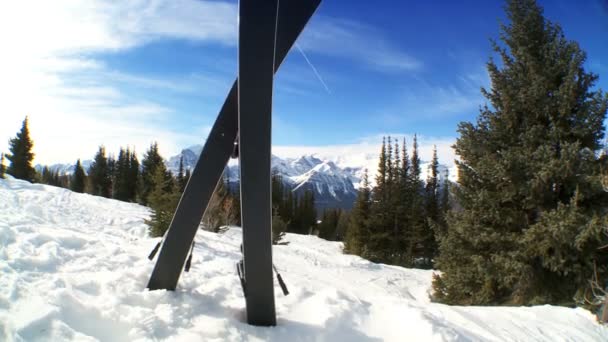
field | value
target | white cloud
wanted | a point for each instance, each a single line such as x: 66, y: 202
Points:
x: 349, y: 39
x: 366, y: 151
x: 49, y: 69
x: 49, y: 72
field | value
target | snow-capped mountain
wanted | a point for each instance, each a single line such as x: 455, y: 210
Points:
x: 333, y: 179
x: 65, y: 169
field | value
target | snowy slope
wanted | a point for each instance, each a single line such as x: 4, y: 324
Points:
x: 74, y: 267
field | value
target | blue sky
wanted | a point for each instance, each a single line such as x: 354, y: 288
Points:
x: 127, y: 74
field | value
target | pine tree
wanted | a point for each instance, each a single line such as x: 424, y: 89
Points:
x: 431, y: 209
x: 152, y: 160
x: 99, y: 175
x: 357, y: 234
x: 180, y: 174
x: 132, y: 175
x: 444, y: 209
x: 2, y: 167
x: 381, y: 175
x: 342, y: 226
x: 415, y: 165
x: 77, y: 182
x: 329, y: 224
x: 122, y: 176
x: 21, y: 155
x: 380, y: 221
x: 405, y: 194
x: 418, y: 230
x: 112, y: 174
x: 163, y: 199
x: 533, y: 208
x: 389, y: 164
x: 46, y: 175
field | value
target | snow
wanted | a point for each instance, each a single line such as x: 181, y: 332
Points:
x: 74, y: 267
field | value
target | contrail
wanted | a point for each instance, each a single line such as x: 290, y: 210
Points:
x: 313, y: 69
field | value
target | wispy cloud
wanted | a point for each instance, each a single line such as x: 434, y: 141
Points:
x: 75, y: 102
x: 424, y: 100
x: 51, y: 69
x: 356, y: 41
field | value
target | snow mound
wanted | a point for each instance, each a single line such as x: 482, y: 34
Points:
x: 73, y: 267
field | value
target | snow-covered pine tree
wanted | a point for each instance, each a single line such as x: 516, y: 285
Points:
x: 21, y: 155
x: 533, y: 208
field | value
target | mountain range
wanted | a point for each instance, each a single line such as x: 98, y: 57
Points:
x: 334, y: 179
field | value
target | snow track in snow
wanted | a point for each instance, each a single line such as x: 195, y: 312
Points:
x: 74, y: 267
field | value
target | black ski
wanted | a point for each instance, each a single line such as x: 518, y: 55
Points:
x: 214, y: 157
x: 219, y: 147
x: 257, y: 33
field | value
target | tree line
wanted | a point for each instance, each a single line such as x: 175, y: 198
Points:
x: 291, y: 212
x: 398, y: 219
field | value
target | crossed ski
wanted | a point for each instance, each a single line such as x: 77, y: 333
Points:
x: 267, y: 32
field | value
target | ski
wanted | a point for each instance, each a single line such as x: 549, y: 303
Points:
x: 218, y: 148
x: 257, y: 33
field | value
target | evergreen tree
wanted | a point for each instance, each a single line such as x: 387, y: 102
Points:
x: 404, y: 239
x: 357, y: 234
x: 329, y: 224
x: 444, y: 208
x: 112, y: 174
x: 2, y: 167
x: 533, y: 208
x: 380, y: 221
x: 180, y: 174
x: 99, y: 175
x: 418, y: 229
x: 77, y: 182
x: 163, y: 199
x: 152, y: 160
x: 432, y: 212
x: 46, y: 176
x: 21, y: 155
x: 342, y: 226
x: 381, y: 175
x: 389, y: 165
x: 133, y: 176
x: 122, y: 176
